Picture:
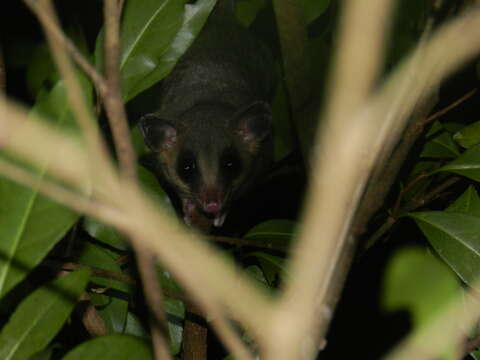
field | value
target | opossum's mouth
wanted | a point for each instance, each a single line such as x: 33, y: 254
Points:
x: 213, y: 210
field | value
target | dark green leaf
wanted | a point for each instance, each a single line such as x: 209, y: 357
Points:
x: 272, y: 266
x: 417, y: 281
x: 134, y: 327
x: 41, y: 67
x: 468, y: 136
x: 111, y: 308
x: 104, y: 233
x: 315, y: 8
x: 259, y: 278
x: 247, y: 10
x: 274, y: 231
x: 468, y: 203
x: 175, y: 310
x: 151, y: 186
x: 112, y: 347
x: 147, y: 32
x: 456, y: 238
x: 40, y: 316
x: 31, y: 224
x: 284, y: 135
x: 138, y: 143
x: 467, y: 164
x: 441, y: 146
x: 154, y: 36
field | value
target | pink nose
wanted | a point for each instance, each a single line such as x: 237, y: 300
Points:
x: 212, y: 207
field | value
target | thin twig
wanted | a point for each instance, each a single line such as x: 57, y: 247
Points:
x: 91, y: 319
x: 106, y: 274
x: 154, y: 298
x: 248, y: 243
x: 449, y: 107
x: 45, y: 13
x: 121, y: 136
x: 113, y: 99
x: 413, y: 204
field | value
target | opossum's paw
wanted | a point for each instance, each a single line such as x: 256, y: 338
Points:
x: 194, y: 218
x: 189, y: 211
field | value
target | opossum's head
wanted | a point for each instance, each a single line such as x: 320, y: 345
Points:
x: 211, y: 153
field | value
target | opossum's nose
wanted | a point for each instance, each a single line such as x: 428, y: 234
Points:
x: 212, y: 207
x: 211, y: 200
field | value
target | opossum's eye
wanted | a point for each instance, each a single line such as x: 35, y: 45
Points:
x: 187, y: 167
x: 230, y: 164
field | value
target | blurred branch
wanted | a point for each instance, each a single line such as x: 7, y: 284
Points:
x: 360, y: 132
x: 113, y: 98
x: 292, y: 30
x: 248, y: 243
x: 45, y: 13
x: 328, y: 210
x: 123, y: 147
x: 415, y: 203
x: 91, y: 319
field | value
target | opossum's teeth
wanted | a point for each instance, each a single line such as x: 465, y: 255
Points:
x: 219, y: 220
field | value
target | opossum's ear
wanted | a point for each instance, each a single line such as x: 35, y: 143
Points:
x: 254, y: 123
x: 159, y: 134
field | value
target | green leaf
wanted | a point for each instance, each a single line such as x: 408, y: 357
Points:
x: 134, y: 327
x: 153, y: 37
x: 246, y: 11
x: 112, y: 237
x: 41, y: 67
x: 441, y: 146
x: 31, y: 224
x: 467, y: 164
x: 417, y: 281
x: 284, y: 142
x: 272, y: 266
x: 112, y: 347
x: 468, y: 203
x: 468, y: 136
x: 175, y: 310
x: 456, y: 238
x: 274, y: 231
x: 40, y: 316
x: 257, y: 274
x: 104, y: 233
x: 315, y: 8
x: 112, y: 309
x: 147, y: 32
x: 151, y: 186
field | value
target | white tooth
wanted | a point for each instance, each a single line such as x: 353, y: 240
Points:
x: 187, y: 220
x: 219, y: 220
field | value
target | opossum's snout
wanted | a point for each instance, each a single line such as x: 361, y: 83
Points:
x: 212, y: 202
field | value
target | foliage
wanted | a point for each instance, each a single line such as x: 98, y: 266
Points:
x: 35, y: 230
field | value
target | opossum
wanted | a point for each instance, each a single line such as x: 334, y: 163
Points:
x: 212, y: 133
